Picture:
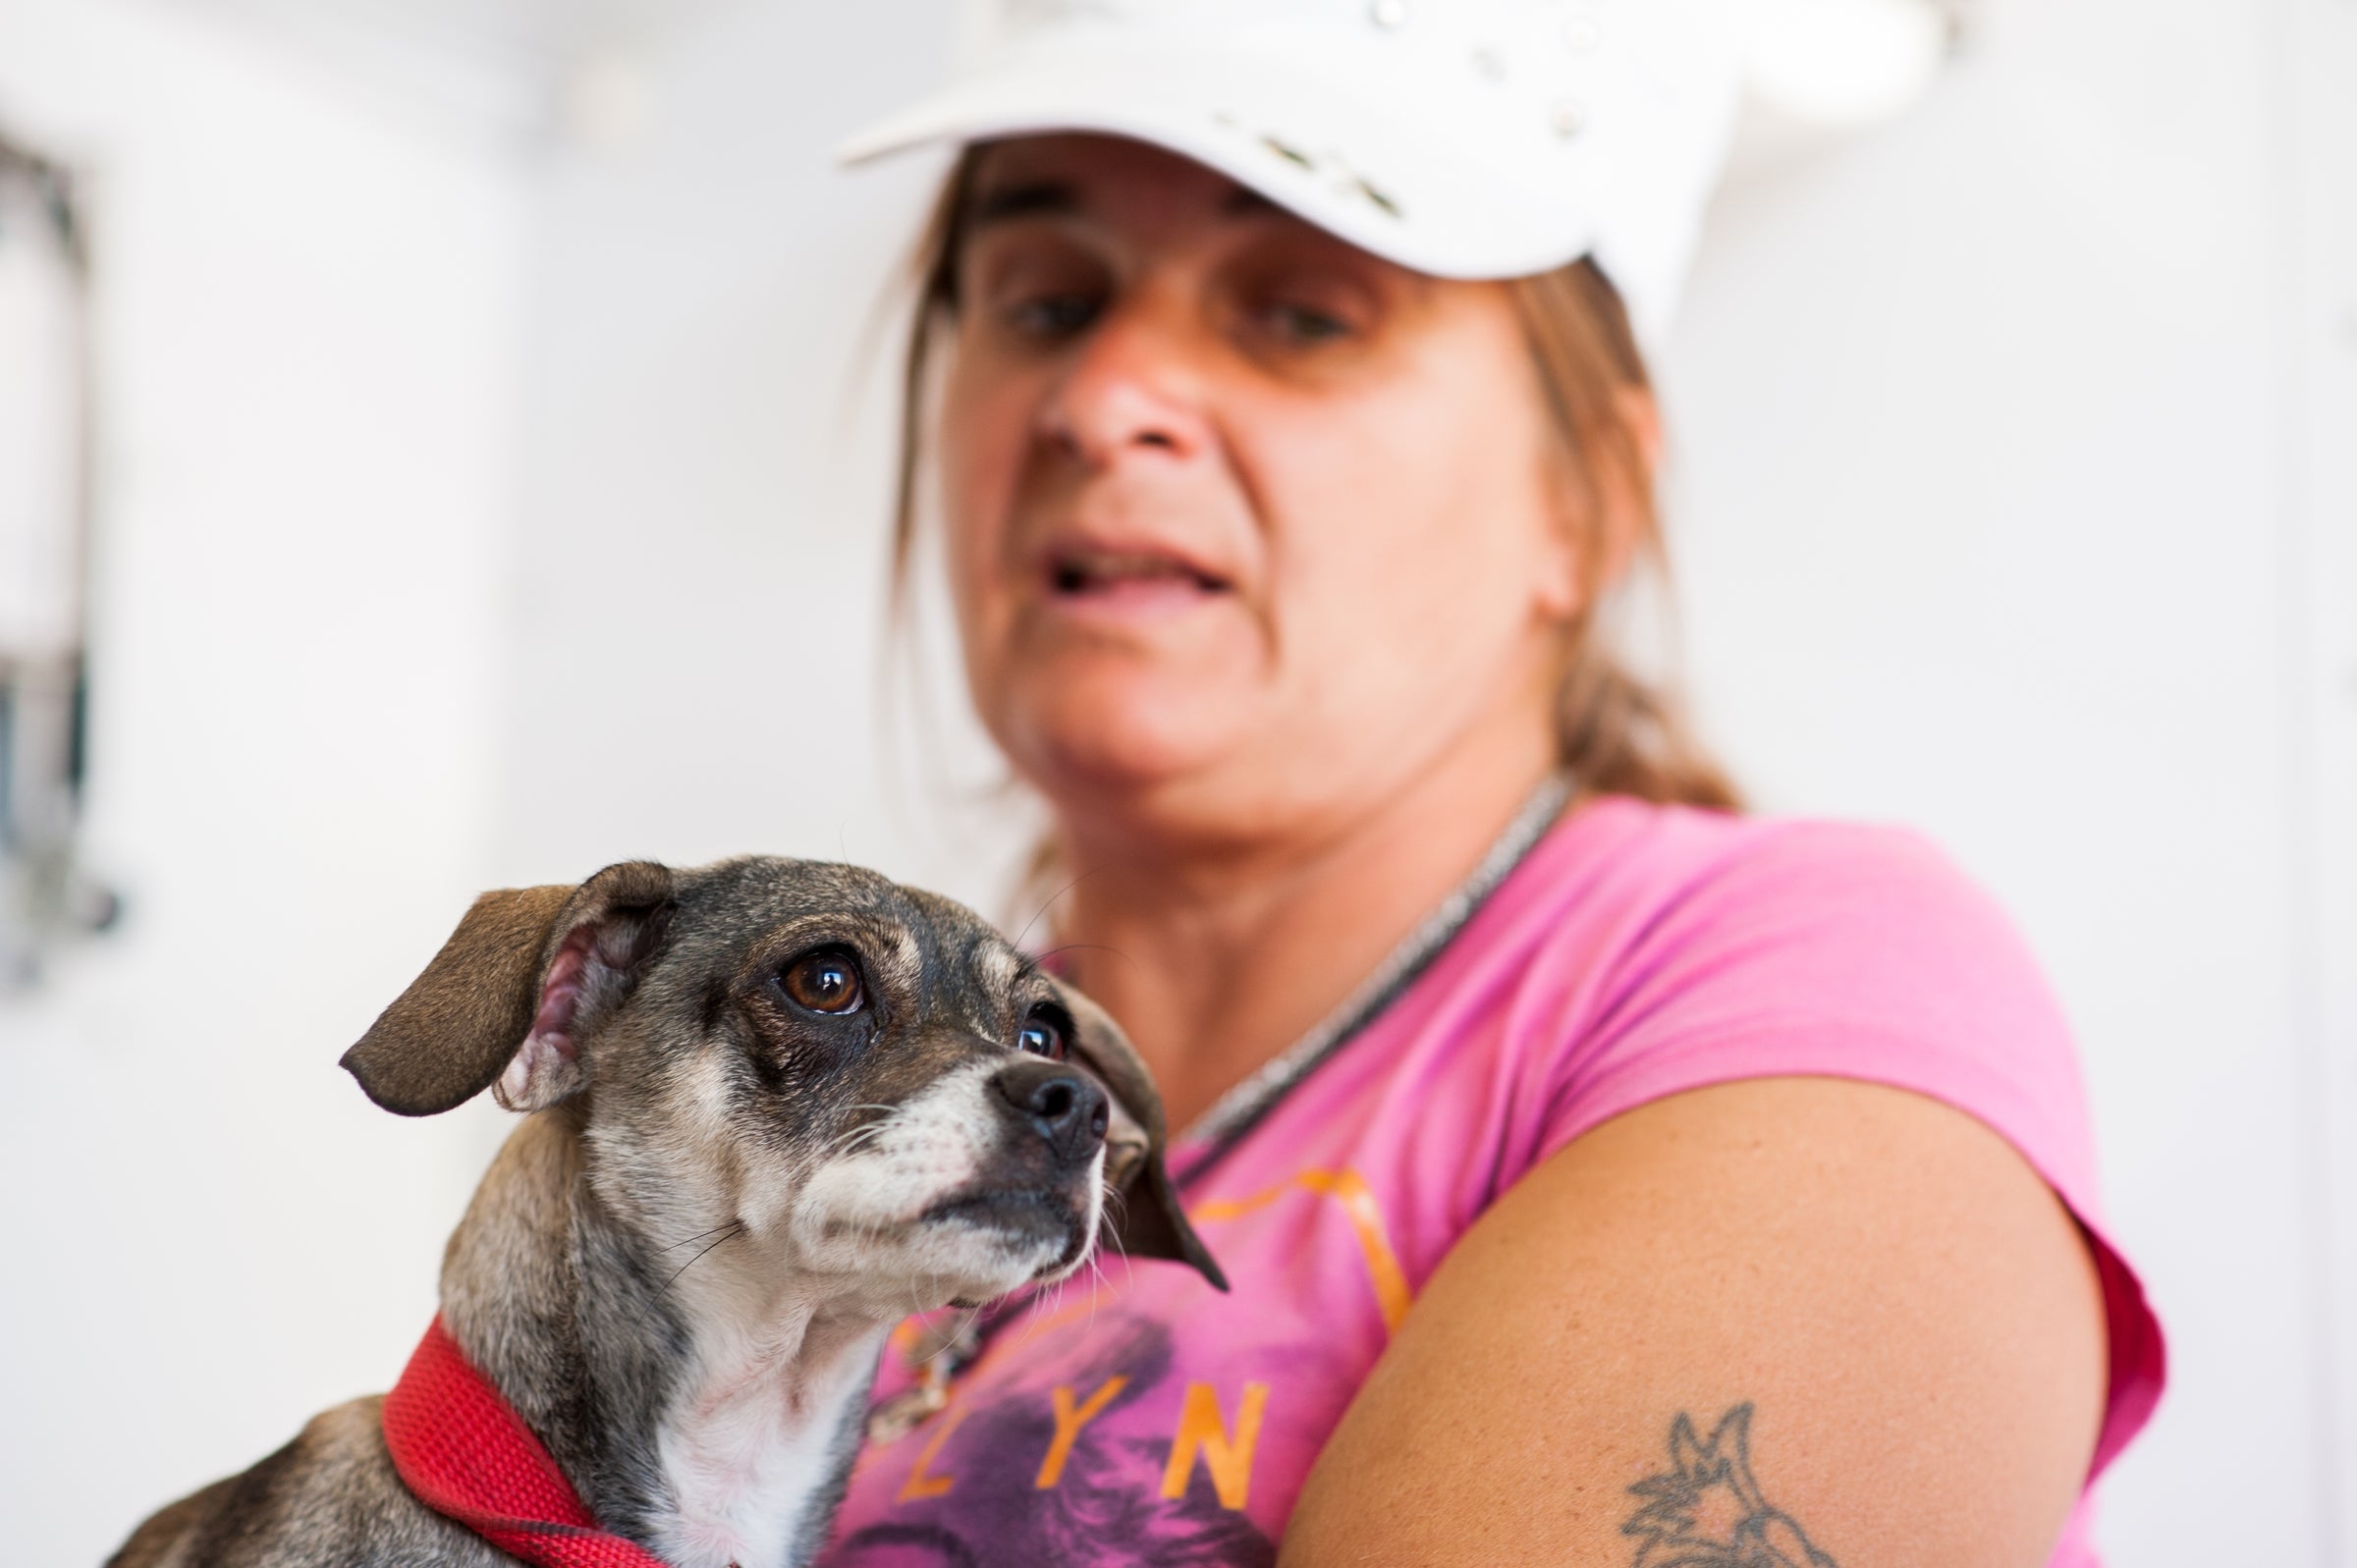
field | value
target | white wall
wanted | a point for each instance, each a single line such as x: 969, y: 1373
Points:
x: 309, y: 370
x: 698, y: 642
x: 2317, y: 120
x: 2015, y: 498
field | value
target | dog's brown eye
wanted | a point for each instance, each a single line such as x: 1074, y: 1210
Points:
x: 826, y: 980
x: 1042, y: 1035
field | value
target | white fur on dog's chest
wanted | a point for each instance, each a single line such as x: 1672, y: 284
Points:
x: 752, y: 1443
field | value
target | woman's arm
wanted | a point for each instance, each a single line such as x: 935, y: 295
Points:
x: 1826, y: 1315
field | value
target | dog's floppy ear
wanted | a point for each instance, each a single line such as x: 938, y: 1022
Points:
x: 503, y: 1000
x: 1143, y: 1217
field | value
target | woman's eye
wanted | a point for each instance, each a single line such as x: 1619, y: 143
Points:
x: 1041, y: 1036
x: 1053, y: 316
x: 1305, y: 326
x: 823, y: 982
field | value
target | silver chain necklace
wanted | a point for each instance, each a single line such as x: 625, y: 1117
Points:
x: 1248, y: 1101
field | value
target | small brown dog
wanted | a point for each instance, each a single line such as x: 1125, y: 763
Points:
x: 778, y: 1106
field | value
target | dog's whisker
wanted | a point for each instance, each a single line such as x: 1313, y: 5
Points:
x: 1116, y: 1209
x: 845, y: 1142
x: 698, y: 1236
x: 1040, y: 1312
x: 1117, y: 1201
x: 857, y: 1138
x: 730, y: 1234
x: 969, y: 1315
x: 1048, y: 904
x: 1080, y: 947
x: 1104, y: 1283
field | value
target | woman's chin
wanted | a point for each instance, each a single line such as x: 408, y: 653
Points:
x: 1080, y: 748
x: 1119, y: 760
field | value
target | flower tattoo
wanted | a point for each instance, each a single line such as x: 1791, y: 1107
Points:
x: 1706, y: 1510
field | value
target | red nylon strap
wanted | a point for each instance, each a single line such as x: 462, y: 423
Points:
x: 465, y: 1454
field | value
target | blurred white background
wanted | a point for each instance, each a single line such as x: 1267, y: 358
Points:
x: 491, y: 483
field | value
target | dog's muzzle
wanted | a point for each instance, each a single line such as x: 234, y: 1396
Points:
x: 1034, y: 1183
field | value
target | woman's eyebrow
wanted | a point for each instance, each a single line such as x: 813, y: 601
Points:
x: 1059, y: 198
x: 1051, y: 197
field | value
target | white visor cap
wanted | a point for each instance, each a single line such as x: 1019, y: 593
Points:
x: 1464, y: 138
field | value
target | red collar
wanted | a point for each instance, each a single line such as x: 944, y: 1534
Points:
x: 465, y: 1452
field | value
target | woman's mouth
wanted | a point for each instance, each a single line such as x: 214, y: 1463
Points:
x: 1087, y: 577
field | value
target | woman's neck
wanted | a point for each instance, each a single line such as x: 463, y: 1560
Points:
x: 1216, y: 963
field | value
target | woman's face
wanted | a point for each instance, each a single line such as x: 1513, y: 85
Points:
x: 1243, y: 523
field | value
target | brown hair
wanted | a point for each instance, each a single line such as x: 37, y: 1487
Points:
x: 1617, y: 732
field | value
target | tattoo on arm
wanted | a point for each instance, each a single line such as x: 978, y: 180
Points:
x: 1705, y: 1511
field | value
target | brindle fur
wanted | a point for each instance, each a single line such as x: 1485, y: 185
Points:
x: 558, y: 1281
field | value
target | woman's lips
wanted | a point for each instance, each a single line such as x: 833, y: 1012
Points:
x: 1126, y: 582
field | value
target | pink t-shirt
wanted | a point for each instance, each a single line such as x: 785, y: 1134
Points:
x: 1637, y: 952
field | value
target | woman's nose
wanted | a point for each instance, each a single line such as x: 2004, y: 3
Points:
x: 1134, y: 387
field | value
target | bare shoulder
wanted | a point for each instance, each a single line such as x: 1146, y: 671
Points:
x: 329, y: 1497
x: 1845, y: 1321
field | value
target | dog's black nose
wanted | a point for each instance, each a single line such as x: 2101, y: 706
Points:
x: 1063, y: 1106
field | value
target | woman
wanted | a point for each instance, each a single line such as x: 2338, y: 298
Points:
x: 1603, y: 1177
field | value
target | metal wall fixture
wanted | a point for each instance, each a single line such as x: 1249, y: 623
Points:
x: 44, y: 563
